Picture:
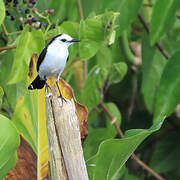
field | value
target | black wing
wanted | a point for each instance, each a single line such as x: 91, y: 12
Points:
x: 41, y: 57
x: 44, y: 51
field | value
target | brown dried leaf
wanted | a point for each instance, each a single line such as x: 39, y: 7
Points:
x: 26, y: 167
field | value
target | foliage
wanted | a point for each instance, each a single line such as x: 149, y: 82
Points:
x: 9, y: 143
x: 123, y: 86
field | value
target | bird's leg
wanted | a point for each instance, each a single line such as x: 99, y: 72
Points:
x: 46, y: 84
x: 60, y: 93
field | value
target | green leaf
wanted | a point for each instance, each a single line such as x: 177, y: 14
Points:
x: 97, y: 135
x: 120, y: 175
x: 113, y: 153
x: 25, y: 118
x: 6, y: 61
x: 88, y: 49
x: 128, y: 11
x: 9, y: 142
x: 11, y: 162
x: 91, y: 34
x: 117, y: 72
x: 94, y: 139
x: 91, y: 91
x: 153, y: 63
x: 163, y: 15
x: 166, y: 155
x: 94, y: 32
x: 168, y: 95
x: 28, y: 44
x: 2, y: 10
x: 104, y: 55
x: 130, y: 177
x: 17, y: 89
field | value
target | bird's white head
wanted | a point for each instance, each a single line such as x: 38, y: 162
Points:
x: 65, y: 40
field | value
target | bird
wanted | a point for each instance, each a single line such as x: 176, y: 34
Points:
x: 52, y: 61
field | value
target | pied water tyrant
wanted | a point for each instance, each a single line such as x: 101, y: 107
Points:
x: 52, y: 61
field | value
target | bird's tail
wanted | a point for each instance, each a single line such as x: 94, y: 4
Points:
x: 38, y: 83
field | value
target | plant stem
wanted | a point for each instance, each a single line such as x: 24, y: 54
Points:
x: 6, y: 32
x: 4, y: 29
x: 133, y: 97
x: 127, y: 49
x: 133, y: 156
x: 7, y: 48
x: 12, y: 33
x: 158, y: 45
x: 112, y: 119
x: 80, y: 9
x: 46, y: 18
x: 85, y: 64
x: 147, y: 168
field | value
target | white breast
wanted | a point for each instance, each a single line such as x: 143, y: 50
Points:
x: 54, y: 61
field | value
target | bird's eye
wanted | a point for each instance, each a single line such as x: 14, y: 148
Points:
x: 63, y: 40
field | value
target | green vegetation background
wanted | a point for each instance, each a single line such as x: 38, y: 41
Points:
x: 121, y: 72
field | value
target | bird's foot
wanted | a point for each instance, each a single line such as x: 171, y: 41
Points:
x: 62, y: 99
x: 47, y: 86
x: 48, y: 94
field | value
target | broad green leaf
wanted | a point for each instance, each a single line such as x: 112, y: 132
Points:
x: 71, y: 28
x: 92, y: 36
x: 94, y: 139
x: 130, y: 177
x: 126, y: 175
x: 88, y: 49
x: 97, y: 135
x: 6, y: 61
x: 166, y: 157
x: 104, y: 57
x: 68, y: 27
x: 113, y: 153
x: 128, y: 10
x: 91, y: 91
x: 11, y: 162
x: 25, y: 118
x: 168, y: 96
x: 94, y: 32
x: 163, y: 15
x: 9, y: 142
x: 1, y: 95
x: 14, y: 91
x: 117, y: 72
x: 2, y: 10
x: 120, y: 175
x: 28, y: 44
x: 153, y: 63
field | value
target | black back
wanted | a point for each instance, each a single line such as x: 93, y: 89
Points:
x: 44, y: 51
x: 41, y: 57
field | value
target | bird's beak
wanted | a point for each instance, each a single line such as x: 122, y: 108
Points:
x: 74, y: 40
